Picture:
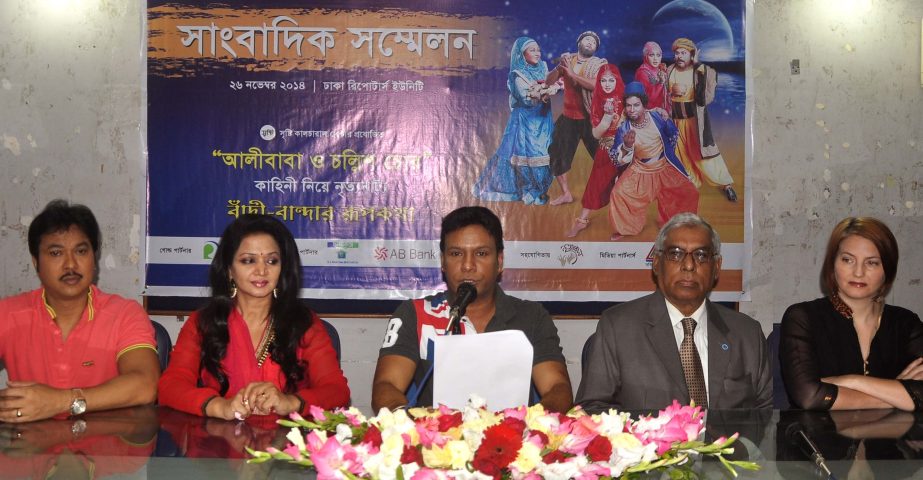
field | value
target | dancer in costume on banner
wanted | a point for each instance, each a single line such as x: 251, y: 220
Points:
x: 647, y: 143
x: 653, y: 75
x: 519, y: 169
x: 605, y: 114
x: 692, y: 87
x: 579, y: 72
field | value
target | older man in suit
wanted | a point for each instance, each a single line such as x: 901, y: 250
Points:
x: 675, y: 343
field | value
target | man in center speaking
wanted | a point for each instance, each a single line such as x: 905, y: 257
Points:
x: 675, y: 343
x: 471, y: 246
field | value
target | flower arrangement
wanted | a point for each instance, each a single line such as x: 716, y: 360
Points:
x: 519, y: 443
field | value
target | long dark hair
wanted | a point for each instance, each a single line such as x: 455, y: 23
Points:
x: 291, y: 317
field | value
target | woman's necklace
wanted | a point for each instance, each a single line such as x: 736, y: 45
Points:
x: 269, y: 334
x: 865, y: 361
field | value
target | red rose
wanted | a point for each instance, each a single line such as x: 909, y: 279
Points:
x: 410, y: 455
x: 599, y: 449
x: 499, y: 448
x: 514, y: 424
x: 449, y: 421
x: 554, y: 456
x: 372, y: 436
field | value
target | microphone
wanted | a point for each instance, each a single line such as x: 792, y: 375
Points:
x: 794, y: 433
x: 465, y: 294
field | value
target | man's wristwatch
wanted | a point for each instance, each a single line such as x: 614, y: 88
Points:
x: 79, y: 427
x: 78, y: 403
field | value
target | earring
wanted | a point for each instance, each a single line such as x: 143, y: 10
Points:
x: 233, y: 289
x: 275, y: 293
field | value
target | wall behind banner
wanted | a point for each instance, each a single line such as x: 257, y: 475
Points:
x: 845, y: 136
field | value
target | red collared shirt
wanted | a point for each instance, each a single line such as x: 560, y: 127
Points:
x: 31, y: 342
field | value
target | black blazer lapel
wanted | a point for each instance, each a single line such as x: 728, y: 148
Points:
x: 663, y: 342
x: 719, y: 354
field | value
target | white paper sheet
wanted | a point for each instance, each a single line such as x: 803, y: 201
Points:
x: 496, y: 366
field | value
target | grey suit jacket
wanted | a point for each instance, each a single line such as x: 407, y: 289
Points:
x: 633, y: 362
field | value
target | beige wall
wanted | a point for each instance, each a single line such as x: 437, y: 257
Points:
x: 843, y: 137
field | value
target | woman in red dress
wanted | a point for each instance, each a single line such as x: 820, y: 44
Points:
x: 605, y: 117
x: 255, y: 348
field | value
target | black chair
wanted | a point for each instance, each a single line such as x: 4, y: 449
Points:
x: 779, y: 394
x: 164, y: 345
x: 334, y: 338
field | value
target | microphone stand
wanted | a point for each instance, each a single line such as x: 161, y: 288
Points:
x: 816, y: 456
x: 454, y: 327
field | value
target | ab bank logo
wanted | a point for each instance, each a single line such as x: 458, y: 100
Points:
x: 570, y: 253
x: 381, y: 253
x: 208, y: 250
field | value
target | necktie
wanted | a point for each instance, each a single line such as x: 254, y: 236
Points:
x: 692, y: 365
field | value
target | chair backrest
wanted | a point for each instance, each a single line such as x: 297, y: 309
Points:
x: 334, y: 338
x: 164, y: 345
x: 779, y: 394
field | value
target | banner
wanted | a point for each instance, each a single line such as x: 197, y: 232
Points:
x: 360, y: 124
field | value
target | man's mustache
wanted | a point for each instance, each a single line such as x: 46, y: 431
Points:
x: 68, y: 276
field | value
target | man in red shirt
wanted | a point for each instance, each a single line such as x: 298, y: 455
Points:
x: 69, y: 347
x: 579, y: 72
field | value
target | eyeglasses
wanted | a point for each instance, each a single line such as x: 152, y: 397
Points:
x: 678, y: 255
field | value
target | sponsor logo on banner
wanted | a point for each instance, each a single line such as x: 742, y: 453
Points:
x: 342, y: 251
x: 181, y: 250
x: 383, y: 254
x: 618, y: 254
x: 650, y: 256
x: 535, y: 256
x: 209, y: 249
x: 570, y: 253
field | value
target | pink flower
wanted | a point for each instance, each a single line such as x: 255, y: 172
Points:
x: 317, y: 413
x: 538, y: 439
x: 593, y: 471
x: 518, y: 413
x: 531, y: 476
x: 582, y: 431
x: 352, y: 418
x: 331, y: 459
x: 292, y: 451
x: 676, y: 423
x: 426, y: 474
x: 429, y: 431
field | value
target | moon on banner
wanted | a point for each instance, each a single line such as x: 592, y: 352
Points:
x: 701, y: 22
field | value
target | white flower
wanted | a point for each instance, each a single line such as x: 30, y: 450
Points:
x: 651, y: 424
x: 461, y: 474
x: 294, y: 435
x: 625, y: 457
x: 343, y: 433
x: 385, y: 463
x: 407, y: 470
x: 528, y: 457
x: 542, y: 422
x: 476, y: 401
x: 611, y: 423
x: 562, y: 470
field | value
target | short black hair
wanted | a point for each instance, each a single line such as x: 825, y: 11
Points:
x: 466, y: 216
x: 59, y: 216
x: 641, y: 96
